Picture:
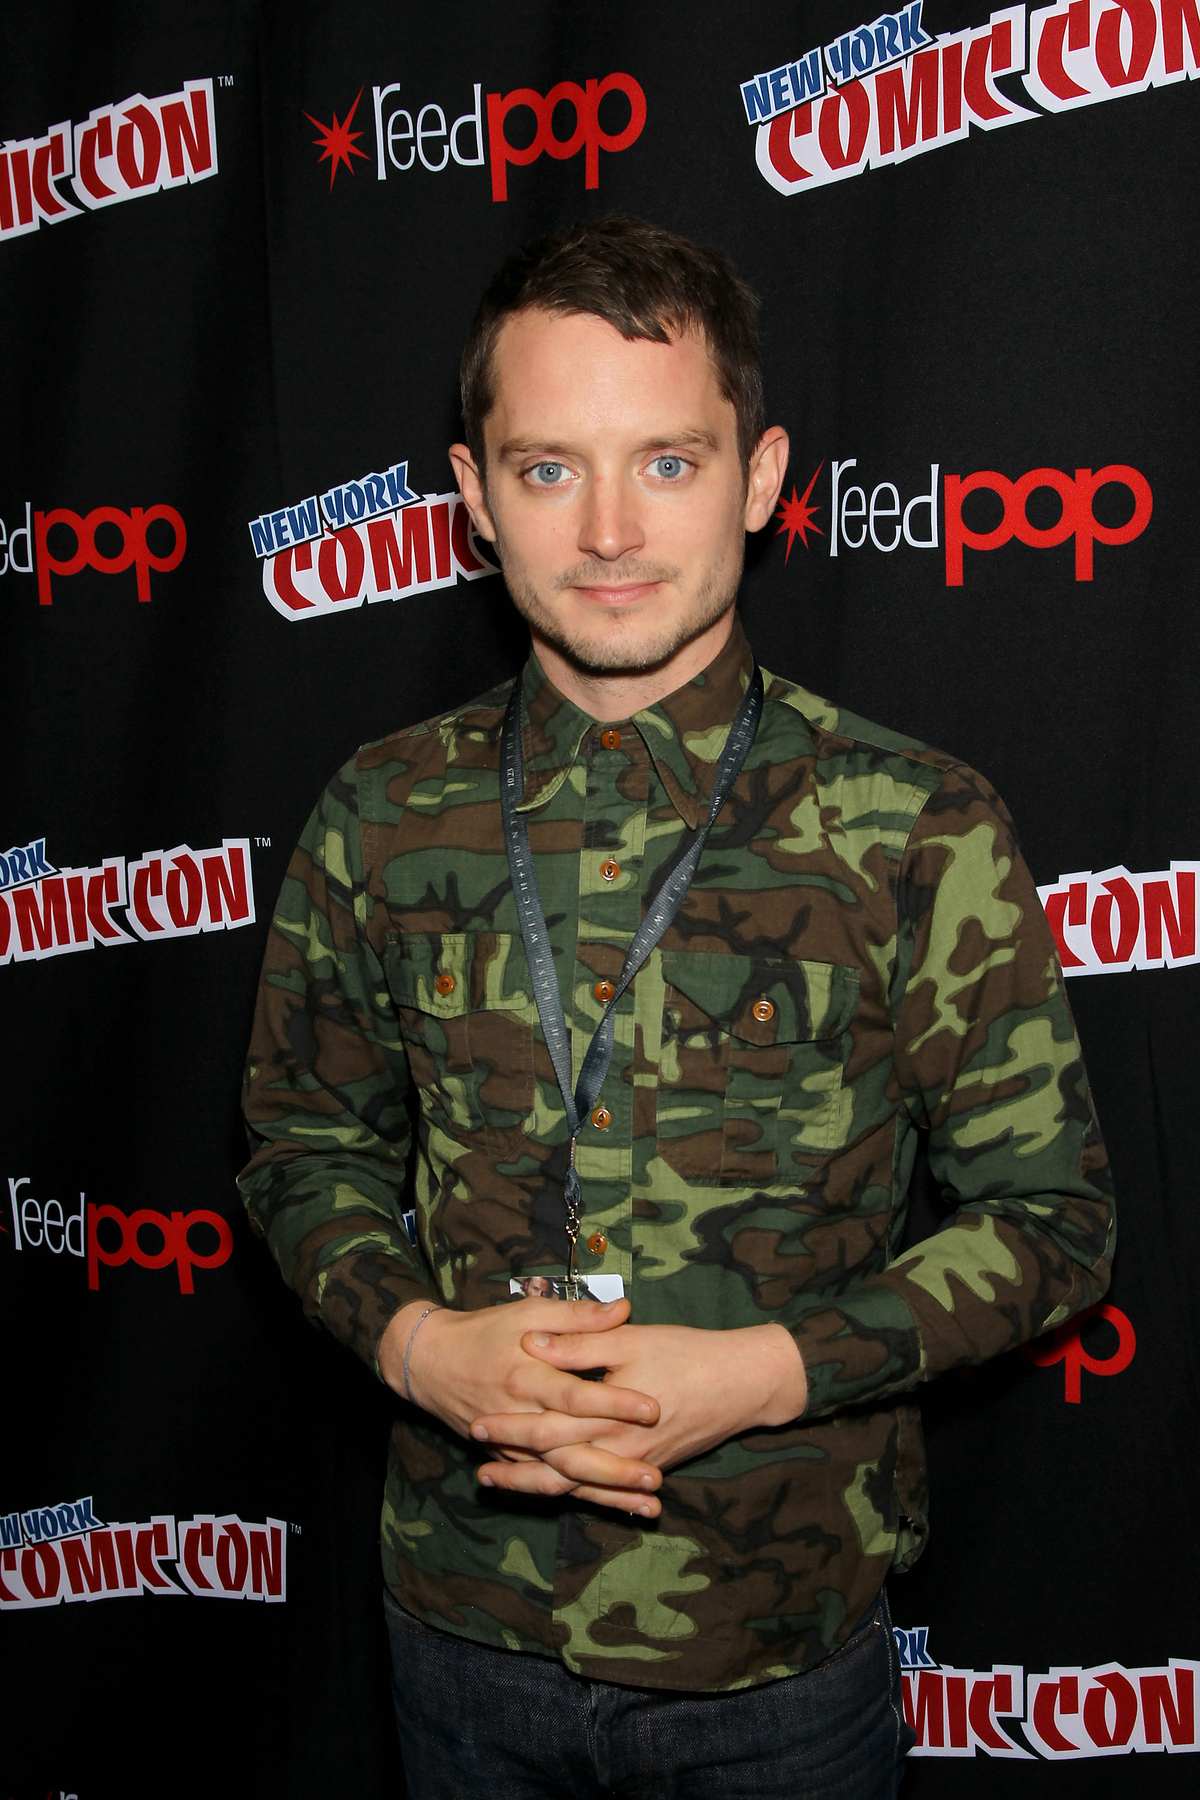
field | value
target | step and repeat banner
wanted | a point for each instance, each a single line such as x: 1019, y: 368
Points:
x: 240, y: 245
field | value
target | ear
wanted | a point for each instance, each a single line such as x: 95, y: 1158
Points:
x: 768, y: 466
x: 471, y: 487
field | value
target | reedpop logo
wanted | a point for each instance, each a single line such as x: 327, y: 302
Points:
x: 1084, y: 509
x: 405, y: 140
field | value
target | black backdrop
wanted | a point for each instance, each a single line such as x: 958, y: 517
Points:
x: 208, y: 322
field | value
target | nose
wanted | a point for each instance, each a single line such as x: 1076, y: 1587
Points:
x: 610, y: 525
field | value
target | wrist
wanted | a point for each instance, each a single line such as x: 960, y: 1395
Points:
x: 394, y: 1346
x: 784, y: 1387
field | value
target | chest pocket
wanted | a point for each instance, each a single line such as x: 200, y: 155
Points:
x: 752, y: 1089
x: 465, y: 1009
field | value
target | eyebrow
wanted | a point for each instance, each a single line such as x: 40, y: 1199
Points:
x: 514, y: 448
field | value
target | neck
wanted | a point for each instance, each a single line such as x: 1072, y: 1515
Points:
x: 620, y: 694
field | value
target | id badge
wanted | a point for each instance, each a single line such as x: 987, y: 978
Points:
x: 568, y: 1287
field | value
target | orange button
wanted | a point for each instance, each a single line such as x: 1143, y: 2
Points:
x: 604, y: 991
x: 611, y: 739
x: 609, y: 870
x: 602, y: 1118
x: 445, y: 984
x: 597, y: 1243
x: 763, y: 1010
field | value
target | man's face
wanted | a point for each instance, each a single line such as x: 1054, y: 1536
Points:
x: 614, y: 490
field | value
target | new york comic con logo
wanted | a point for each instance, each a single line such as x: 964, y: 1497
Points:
x: 1063, y: 1715
x: 46, y: 911
x: 890, y: 90
x: 412, y: 132
x: 54, y: 1555
x: 968, y: 516
x: 122, y: 151
x: 370, y: 539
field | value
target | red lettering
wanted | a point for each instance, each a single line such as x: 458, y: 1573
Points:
x: 844, y: 151
x: 1179, y: 16
x: 1051, y: 1697
x: 1118, y: 1688
x: 90, y: 1564
x: 1066, y: 1346
x: 1143, y: 30
x: 139, y: 149
x: 1170, y: 1716
x: 1077, y: 519
x: 906, y: 102
x: 781, y: 133
x: 185, y: 892
x: 340, y: 564
x: 1120, y: 897
x: 227, y: 894
x: 41, y: 914
x: 586, y: 133
x: 176, y: 1247
x: 1159, y: 913
x: 134, y: 552
x: 267, y: 1576
x: 188, y: 135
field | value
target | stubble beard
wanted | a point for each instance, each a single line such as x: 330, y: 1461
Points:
x: 620, y: 644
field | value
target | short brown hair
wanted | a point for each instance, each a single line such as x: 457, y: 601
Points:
x: 644, y: 281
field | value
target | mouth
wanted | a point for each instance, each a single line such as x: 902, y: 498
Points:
x: 626, y: 593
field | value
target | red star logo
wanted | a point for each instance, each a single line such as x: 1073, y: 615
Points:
x: 796, y: 515
x: 338, y: 141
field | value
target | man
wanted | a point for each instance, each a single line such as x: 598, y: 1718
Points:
x: 814, y: 943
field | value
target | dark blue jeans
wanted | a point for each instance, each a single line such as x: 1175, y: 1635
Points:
x: 482, y: 1724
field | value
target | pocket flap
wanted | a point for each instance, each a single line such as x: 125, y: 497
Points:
x: 766, y: 1000
x: 448, y: 973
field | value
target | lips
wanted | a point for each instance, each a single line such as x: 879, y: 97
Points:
x: 625, y: 595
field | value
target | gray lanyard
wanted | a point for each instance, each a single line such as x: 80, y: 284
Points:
x: 661, y: 910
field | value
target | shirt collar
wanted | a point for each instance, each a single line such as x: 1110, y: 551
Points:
x: 684, y: 733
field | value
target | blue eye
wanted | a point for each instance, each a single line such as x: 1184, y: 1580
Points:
x: 670, y: 468
x: 547, y: 474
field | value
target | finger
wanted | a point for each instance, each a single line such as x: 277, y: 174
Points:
x: 574, y: 1315
x: 555, y: 1390
x: 645, y: 1505
x: 574, y: 1350
x: 537, y: 1478
x: 544, y: 1431
x: 573, y: 1464
x: 598, y: 1466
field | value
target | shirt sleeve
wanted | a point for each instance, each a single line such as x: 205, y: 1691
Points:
x: 987, y: 1064
x: 326, y: 1092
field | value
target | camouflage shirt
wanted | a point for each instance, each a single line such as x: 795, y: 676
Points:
x: 861, y: 961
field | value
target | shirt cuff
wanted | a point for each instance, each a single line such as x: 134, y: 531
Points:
x: 361, y: 1293
x: 856, y: 1347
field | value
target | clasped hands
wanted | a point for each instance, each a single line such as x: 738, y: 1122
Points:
x: 511, y: 1377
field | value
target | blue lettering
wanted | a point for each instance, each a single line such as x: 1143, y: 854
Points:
x: 5, y: 877
x: 333, y: 508
x: 399, y: 492
x: 86, y: 1518
x: 862, y: 50
x: 356, y: 501
x: 779, y: 93
x: 10, y: 1531
x: 756, y: 99
x: 279, y: 526
x: 304, y: 521
x: 18, y: 862
x: 260, y: 536
x: 37, y: 860
x: 808, y: 80
x: 837, y: 56
x: 912, y: 35
x: 887, y: 38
